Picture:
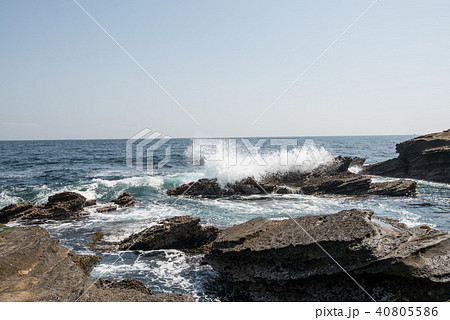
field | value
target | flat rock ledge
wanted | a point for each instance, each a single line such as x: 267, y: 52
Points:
x: 181, y: 232
x: 281, y: 260
x: 333, y: 178
x: 65, y: 205
x: 425, y: 157
x: 35, y: 267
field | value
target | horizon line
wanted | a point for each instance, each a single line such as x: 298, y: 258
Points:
x: 229, y: 137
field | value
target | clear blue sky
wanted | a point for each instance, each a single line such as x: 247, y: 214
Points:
x: 225, y: 62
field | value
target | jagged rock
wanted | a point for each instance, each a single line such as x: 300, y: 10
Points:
x: 181, y: 232
x: 16, y: 210
x: 426, y: 157
x: 344, y: 183
x: 59, y: 206
x: 125, y: 200
x: 66, y: 201
x: 331, y: 178
x: 203, y: 187
x: 35, y: 267
x: 90, y: 203
x: 394, y: 188
x: 106, y: 208
x: 281, y: 260
x: 65, y: 205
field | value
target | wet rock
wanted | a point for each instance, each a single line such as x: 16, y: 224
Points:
x: 35, y: 267
x: 90, y: 203
x: 426, y: 157
x: 106, y: 208
x: 281, y: 260
x: 66, y: 201
x: 331, y: 178
x: 16, y: 210
x: 394, y: 188
x: 203, y: 188
x: 125, y: 200
x: 181, y: 232
x: 65, y: 205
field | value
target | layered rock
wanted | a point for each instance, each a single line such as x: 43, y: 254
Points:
x: 426, y: 157
x: 59, y: 206
x: 181, y: 232
x: 65, y: 205
x: 126, y: 199
x: 35, y: 267
x: 331, y: 178
x: 303, y: 259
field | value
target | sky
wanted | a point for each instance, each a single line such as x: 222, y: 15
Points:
x: 224, y: 62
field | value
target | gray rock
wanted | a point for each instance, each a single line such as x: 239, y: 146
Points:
x: 276, y: 260
x: 126, y: 199
x: 181, y: 232
x: 65, y: 205
x: 331, y: 178
x: 35, y: 267
x: 426, y: 157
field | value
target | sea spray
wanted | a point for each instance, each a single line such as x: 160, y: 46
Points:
x: 243, y: 164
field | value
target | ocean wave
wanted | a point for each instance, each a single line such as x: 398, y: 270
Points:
x: 237, y: 166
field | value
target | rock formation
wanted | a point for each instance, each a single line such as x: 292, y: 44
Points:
x: 285, y: 260
x: 35, y: 267
x: 331, y: 178
x: 65, y: 205
x: 426, y: 157
x: 181, y: 232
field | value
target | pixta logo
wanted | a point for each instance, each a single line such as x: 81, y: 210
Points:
x: 143, y: 145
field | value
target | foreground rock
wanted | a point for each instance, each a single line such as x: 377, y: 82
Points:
x: 65, y: 205
x: 280, y: 260
x: 426, y: 157
x: 332, y: 178
x: 182, y: 232
x: 35, y: 267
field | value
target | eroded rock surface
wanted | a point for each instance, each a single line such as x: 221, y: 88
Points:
x: 59, y: 206
x: 280, y: 260
x: 35, y: 267
x: 65, y: 205
x: 332, y: 178
x: 426, y: 157
x: 181, y: 232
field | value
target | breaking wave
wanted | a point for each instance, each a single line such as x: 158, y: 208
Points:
x: 232, y: 168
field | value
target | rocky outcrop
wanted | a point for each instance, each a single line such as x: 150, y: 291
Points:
x: 426, y: 157
x: 394, y: 188
x: 332, y: 178
x: 181, y: 232
x: 126, y: 199
x: 65, y: 205
x: 35, y: 267
x: 59, y: 206
x: 286, y: 260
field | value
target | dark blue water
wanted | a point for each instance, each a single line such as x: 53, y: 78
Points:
x: 34, y: 170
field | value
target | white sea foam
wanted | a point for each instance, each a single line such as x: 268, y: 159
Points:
x: 304, y: 159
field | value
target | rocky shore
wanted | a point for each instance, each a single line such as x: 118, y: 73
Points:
x: 304, y: 259
x: 65, y: 205
x: 425, y: 157
x: 333, y: 178
x: 311, y: 258
x: 35, y: 267
x: 346, y: 256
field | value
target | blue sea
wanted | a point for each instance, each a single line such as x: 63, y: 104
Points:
x: 34, y: 170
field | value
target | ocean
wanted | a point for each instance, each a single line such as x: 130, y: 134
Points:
x: 34, y: 170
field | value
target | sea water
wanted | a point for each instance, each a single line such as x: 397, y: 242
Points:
x: 34, y: 170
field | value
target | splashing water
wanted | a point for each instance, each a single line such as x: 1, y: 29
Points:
x: 244, y: 164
